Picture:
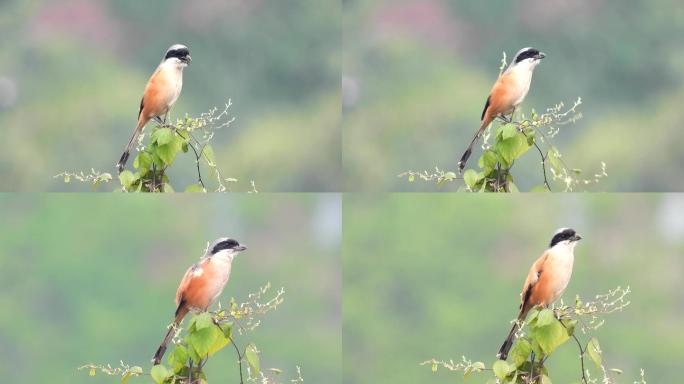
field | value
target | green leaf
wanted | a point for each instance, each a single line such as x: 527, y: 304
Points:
x: 143, y: 161
x: 550, y: 336
x: 167, y: 153
x: 221, y: 341
x: 162, y: 136
x: 127, y: 178
x: 520, y: 352
x: 195, y: 188
x: 502, y: 369
x: 178, y: 358
x: 545, y: 317
x: 471, y: 177
x: 594, y: 351
x: 202, y: 339
x: 508, y: 131
x: 227, y: 329
x: 203, y: 320
x: 512, y: 148
x: 252, y: 357
x: 160, y: 373
x: 487, y: 161
x: 208, y: 153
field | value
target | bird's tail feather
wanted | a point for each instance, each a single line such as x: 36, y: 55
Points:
x: 162, y: 348
x: 124, y: 157
x: 469, y: 150
x: 508, y: 343
x: 180, y: 314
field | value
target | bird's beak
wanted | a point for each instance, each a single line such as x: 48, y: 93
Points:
x: 188, y: 59
x: 240, y: 248
x: 541, y: 55
x: 577, y: 237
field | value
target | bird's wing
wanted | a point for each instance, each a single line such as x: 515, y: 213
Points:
x: 532, y: 277
x: 483, y: 111
x: 142, y: 102
x: 190, y: 274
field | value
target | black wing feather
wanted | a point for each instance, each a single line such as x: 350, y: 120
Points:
x: 481, y: 117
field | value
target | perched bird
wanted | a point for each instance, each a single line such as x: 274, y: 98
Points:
x: 161, y: 92
x: 202, y: 284
x: 508, y: 92
x: 547, y: 279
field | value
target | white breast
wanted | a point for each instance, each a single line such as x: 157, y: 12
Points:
x: 221, y: 264
x: 173, y: 73
x: 561, y: 259
x: 521, y: 78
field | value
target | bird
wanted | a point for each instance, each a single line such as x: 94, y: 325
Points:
x: 507, y: 94
x: 161, y: 92
x: 202, y: 284
x: 547, y: 279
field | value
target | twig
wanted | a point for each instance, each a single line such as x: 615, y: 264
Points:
x: 237, y: 350
x: 197, y: 156
x: 579, y: 345
x: 546, y: 181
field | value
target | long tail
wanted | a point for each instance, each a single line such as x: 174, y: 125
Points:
x: 506, y: 347
x: 124, y: 157
x: 180, y: 314
x: 469, y: 150
x: 486, y: 120
x: 508, y: 343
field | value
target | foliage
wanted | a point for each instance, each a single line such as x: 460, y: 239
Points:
x: 548, y: 330
x: 206, y: 334
x: 512, y: 139
x: 166, y: 142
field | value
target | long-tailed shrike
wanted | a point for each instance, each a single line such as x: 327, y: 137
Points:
x: 547, y: 279
x: 508, y: 92
x: 161, y: 92
x: 202, y: 284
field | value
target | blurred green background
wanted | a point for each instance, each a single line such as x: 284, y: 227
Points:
x: 72, y: 76
x: 416, y: 74
x: 439, y: 276
x: 92, y: 278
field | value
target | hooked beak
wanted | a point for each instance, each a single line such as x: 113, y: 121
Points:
x: 187, y: 59
x: 577, y: 237
x: 240, y: 248
x: 541, y: 55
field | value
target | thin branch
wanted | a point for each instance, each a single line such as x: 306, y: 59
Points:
x: 546, y: 181
x: 237, y: 350
x: 582, y: 351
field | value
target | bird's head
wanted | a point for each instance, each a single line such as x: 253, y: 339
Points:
x: 529, y: 57
x: 565, y: 236
x: 225, y: 246
x: 178, y: 54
